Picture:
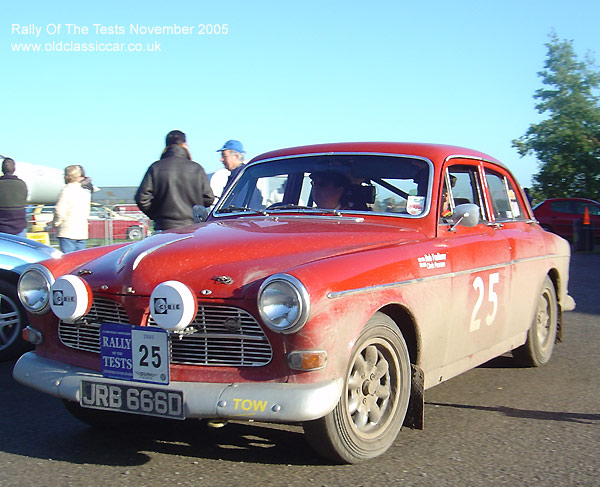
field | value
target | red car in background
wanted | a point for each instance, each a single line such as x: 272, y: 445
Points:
x: 558, y: 215
x: 106, y: 223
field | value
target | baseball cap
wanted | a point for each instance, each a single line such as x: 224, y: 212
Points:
x: 235, y: 145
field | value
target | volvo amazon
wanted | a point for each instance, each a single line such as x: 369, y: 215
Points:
x: 331, y: 286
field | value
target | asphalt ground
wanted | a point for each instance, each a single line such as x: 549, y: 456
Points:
x: 494, y: 425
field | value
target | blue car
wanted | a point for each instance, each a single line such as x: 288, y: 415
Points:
x: 15, y: 254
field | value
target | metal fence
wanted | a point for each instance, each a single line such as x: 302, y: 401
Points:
x: 105, y: 225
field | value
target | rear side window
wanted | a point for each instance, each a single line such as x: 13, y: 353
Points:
x: 581, y: 205
x: 562, y: 207
x: 505, y: 203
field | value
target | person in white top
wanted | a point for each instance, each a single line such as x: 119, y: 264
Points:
x: 73, y: 210
x: 218, y: 180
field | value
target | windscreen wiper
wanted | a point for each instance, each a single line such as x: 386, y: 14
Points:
x: 304, y: 209
x: 278, y: 206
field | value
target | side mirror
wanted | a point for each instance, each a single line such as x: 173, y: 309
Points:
x: 200, y: 213
x: 466, y: 215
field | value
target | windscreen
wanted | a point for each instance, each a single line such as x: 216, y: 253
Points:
x: 396, y: 185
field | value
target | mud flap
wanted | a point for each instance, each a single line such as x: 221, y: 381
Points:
x: 415, y: 414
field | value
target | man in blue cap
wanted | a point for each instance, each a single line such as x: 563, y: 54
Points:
x: 232, y: 157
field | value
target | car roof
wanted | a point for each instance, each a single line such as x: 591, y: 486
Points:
x: 587, y: 200
x: 433, y: 152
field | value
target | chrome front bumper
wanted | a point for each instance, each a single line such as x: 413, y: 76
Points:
x: 270, y: 402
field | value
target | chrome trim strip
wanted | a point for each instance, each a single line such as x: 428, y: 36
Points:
x: 139, y: 258
x: 368, y: 289
x: 478, y: 158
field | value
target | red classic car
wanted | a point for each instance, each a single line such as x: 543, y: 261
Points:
x: 559, y: 215
x: 121, y: 223
x: 331, y: 285
x: 108, y: 224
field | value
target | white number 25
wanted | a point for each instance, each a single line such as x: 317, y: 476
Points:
x: 479, y: 286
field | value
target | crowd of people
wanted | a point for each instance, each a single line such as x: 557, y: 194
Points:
x: 164, y: 195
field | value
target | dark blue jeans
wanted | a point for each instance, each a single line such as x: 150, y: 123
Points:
x: 69, y: 245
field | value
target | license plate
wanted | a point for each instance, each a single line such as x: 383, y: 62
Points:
x: 138, y: 353
x: 148, y: 401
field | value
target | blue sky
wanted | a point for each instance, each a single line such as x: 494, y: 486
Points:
x: 285, y: 73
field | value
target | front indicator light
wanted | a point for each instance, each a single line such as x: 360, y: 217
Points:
x: 32, y: 335
x: 307, y: 360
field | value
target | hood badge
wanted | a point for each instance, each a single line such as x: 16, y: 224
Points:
x: 223, y: 279
x: 233, y: 324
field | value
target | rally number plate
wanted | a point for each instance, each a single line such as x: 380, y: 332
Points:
x: 135, y: 353
x: 148, y: 401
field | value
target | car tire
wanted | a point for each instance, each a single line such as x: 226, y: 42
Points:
x: 541, y: 336
x: 12, y: 322
x: 374, y: 401
x: 134, y: 233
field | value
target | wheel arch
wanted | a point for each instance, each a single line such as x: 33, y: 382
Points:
x: 406, y: 323
x: 556, y: 279
x: 9, y: 276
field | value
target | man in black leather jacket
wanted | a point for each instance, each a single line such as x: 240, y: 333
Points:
x: 173, y: 185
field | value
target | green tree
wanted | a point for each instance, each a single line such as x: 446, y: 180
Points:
x: 567, y: 143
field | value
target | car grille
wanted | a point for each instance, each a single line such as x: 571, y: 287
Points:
x: 223, y: 335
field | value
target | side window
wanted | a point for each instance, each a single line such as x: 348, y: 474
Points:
x: 561, y: 206
x: 505, y: 202
x: 594, y: 209
x: 580, y: 207
x: 461, y: 185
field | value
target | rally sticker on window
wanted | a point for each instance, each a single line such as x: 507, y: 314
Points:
x: 432, y: 261
x: 415, y: 205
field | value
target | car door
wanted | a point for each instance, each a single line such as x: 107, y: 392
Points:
x: 479, y: 258
x: 525, y: 239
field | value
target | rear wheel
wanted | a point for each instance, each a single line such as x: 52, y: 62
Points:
x: 134, y: 233
x: 370, y: 413
x: 537, y: 350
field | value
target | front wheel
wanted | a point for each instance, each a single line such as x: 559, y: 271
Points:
x: 370, y: 413
x: 542, y: 334
x: 12, y: 322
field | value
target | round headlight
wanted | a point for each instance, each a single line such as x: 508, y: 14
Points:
x: 34, y: 288
x: 283, y: 303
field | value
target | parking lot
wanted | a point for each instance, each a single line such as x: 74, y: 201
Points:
x: 494, y: 425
